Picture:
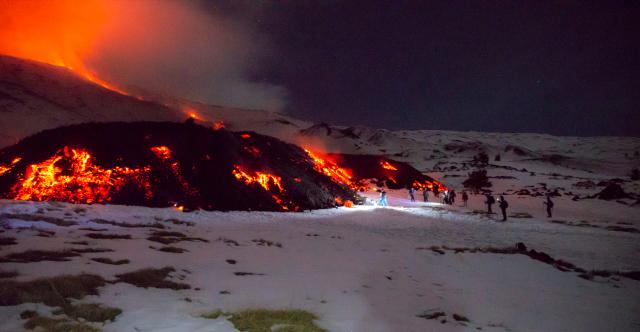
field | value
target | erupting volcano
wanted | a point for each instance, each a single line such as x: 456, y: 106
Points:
x: 169, y: 164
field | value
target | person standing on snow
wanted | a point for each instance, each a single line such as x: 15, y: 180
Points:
x: 412, y: 192
x: 383, y: 198
x: 549, y: 204
x: 502, y: 203
x: 435, y: 191
x: 489, y: 202
x: 452, y: 197
x: 465, y: 198
x: 426, y: 194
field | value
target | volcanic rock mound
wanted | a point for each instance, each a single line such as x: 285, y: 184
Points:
x: 159, y: 164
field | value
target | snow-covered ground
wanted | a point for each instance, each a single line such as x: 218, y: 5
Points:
x: 366, y: 268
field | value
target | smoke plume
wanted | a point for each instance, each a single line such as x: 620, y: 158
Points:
x: 169, y: 47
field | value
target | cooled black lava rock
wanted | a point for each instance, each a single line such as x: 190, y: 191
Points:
x: 198, y: 174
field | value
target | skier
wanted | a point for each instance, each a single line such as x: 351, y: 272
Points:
x: 412, y: 192
x: 426, y: 194
x: 490, y: 200
x: 383, y: 198
x: 465, y: 198
x: 549, y: 204
x: 502, y: 203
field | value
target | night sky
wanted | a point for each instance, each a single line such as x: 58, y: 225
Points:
x: 559, y: 68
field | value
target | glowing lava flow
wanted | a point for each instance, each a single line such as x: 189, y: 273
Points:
x: 336, y: 173
x: 428, y: 185
x: 78, y: 182
x: 162, y: 152
x: 264, y: 180
x: 388, y: 166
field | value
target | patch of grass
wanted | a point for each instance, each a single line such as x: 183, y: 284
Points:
x: 623, y: 229
x: 56, y: 325
x: 565, y: 264
x: 83, y: 243
x: 180, y: 222
x: 262, y: 320
x: 174, y: 250
x: 45, y: 233
x: 90, y: 312
x: 151, y: 277
x: 32, y: 256
x: 50, y: 291
x: 7, y: 241
x: 228, y: 241
x: 93, y: 229
x: 225, y: 292
x: 108, y: 236
x: 434, y: 315
x: 9, y: 274
x: 478, y: 212
x: 166, y: 233
x: 126, y: 224
x: 460, y: 318
x: 248, y: 274
x: 163, y: 240
x: 215, y: 314
x: 263, y: 242
x: 558, y: 221
x: 91, y: 250
x: 109, y: 261
x: 635, y: 275
x: 520, y: 215
x: 32, y: 217
x: 79, y: 210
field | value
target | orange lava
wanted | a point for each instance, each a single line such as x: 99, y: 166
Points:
x: 70, y: 176
x: 336, y: 173
x: 162, y: 152
x: 245, y: 136
x: 388, y: 166
x: 262, y: 179
x: 4, y: 169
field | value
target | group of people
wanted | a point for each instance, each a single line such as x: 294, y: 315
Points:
x: 449, y: 196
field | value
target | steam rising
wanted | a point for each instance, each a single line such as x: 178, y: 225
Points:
x: 168, y: 47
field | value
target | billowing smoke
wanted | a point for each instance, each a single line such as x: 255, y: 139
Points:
x: 169, y: 47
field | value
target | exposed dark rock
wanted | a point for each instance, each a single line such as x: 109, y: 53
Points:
x: 612, y: 191
x: 198, y: 174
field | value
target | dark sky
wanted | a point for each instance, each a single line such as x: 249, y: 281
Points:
x: 563, y: 68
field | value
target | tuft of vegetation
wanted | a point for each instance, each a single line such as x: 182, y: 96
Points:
x: 460, y: 318
x: 108, y: 236
x: 32, y: 217
x: 83, y: 243
x: 163, y: 240
x: 54, y: 325
x: 109, y: 261
x: 50, y: 291
x: 127, y: 225
x: 477, y: 179
x: 9, y: 274
x: 151, y: 277
x: 7, y: 241
x: 263, y: 242
x: 90, y: 312
x: 434, y: 315
x: 166, y: 233
x: 520, y: 215
x: 91, y: 229
x: 32, y: 256
x: 231, y: 261
x: 180, y: 222
x: 262, y: 320
x: 228, y: 241
x: 226, y: 292
x: 91, y: 250
x: 174, y: 250
x: 248, y: 274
